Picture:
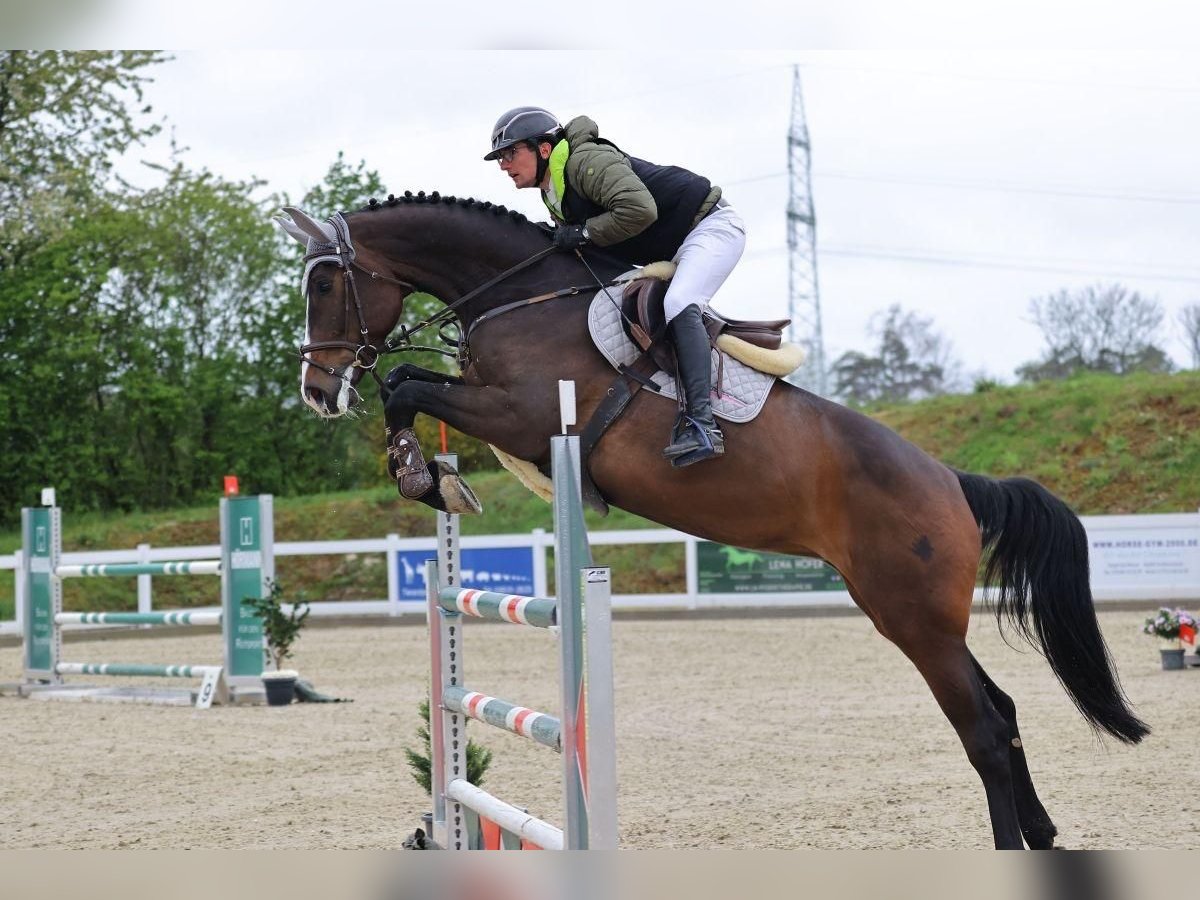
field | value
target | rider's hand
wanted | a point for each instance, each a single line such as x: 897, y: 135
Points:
x: 570, y: 237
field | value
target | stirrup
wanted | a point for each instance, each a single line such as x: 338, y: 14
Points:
x: 711, y: 442
x: 696, y: 456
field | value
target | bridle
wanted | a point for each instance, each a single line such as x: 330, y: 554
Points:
x: 366, y: 355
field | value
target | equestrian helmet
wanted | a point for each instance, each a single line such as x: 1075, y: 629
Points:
x: 525, y: 123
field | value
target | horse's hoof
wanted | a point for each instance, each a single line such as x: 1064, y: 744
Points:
x: 1041, y: 836
x: 457, y: 496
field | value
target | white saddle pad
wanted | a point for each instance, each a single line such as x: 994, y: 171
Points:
x: 738, y: 398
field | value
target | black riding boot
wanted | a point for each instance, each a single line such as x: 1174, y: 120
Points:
x: 695, y: 436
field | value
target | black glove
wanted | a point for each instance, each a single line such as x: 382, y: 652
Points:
x: 569, y: 237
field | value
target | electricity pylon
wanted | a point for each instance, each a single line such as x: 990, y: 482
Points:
x: 804, y: 297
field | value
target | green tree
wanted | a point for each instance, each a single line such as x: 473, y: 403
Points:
x: 1188, y: 320
x: 911, y: 362
x: 148, y: 336
x: 54, y: 374
x: 64, y: 118
x: 152, y: 349
x: 1102, y: 328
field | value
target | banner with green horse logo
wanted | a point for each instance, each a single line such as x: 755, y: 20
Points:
x: 729, y: 570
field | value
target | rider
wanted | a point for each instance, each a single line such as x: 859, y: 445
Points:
x: 640, y: 213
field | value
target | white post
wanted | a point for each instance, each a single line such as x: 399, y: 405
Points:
x: 145, y: 602
x: 541, y: 586
x: 566, y: 404
x: 596, y: 587
x: 392, y: 560
x: 19, y: 590
x: 691, y: 570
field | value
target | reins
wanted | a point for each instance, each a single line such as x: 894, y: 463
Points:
x: 366, y: 354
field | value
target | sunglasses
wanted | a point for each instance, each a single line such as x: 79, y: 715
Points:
x: 507, y: 154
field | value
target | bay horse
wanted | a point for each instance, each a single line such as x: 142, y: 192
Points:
x: 806, y: 477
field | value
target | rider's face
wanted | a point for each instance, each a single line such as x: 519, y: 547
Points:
x: 521, y: 164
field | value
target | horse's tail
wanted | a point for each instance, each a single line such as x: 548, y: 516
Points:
x: 1037, y: 554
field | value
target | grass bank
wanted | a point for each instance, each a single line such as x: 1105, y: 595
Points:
x: 1107, y: 445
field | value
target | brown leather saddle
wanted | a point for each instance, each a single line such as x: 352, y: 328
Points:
x: 644, y: 322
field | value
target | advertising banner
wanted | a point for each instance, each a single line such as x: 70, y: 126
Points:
x: 506, y: 570
x: 729, y: 570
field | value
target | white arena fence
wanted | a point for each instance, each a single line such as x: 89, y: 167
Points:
x: 1140, y: 557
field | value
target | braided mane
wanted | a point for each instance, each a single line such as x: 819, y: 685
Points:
x: 448, y: 200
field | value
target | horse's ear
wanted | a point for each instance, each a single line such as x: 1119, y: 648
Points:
x: 289, y: 227
x: 319, y: 232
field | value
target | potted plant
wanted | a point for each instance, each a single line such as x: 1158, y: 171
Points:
x: 1176, y: 626
x: 478, y: 760
x: 281, y: 628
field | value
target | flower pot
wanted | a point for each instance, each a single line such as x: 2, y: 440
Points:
x: 1172, y: 659
x: 280, y: 687
x: 1192, y: 659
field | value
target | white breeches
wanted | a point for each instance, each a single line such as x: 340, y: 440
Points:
x: 705, y: 259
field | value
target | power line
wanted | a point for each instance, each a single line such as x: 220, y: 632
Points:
x: 1185, y: 269
x: 980, y: 261
x: 1003, y: 187
x: 1004, y: 79
x: 677, y: 86
x: 932, y: 259
x: 1016, y: 188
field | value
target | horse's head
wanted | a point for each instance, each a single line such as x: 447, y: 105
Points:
x: 353, y: 302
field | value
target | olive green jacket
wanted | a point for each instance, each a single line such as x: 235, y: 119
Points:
x: 602, y: 173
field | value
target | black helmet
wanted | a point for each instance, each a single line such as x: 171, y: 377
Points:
x: 524, y: 123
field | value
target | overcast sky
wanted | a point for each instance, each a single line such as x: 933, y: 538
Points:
x: 956, y: 184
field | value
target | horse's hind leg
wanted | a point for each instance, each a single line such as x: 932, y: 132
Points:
x: 947, y: 667
x: 1039, y: 831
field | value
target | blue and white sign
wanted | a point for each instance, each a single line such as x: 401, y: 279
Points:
x: 507, y: 570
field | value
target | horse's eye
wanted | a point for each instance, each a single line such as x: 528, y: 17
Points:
x: 324, y: 286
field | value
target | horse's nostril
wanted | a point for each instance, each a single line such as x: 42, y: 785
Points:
x: 316, y: 397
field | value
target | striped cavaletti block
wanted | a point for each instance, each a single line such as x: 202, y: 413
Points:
x: 539, y: 727
x: 535, y: 611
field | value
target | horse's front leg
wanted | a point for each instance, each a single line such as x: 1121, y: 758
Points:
x: 408, y: 372
x: 486, y: 413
